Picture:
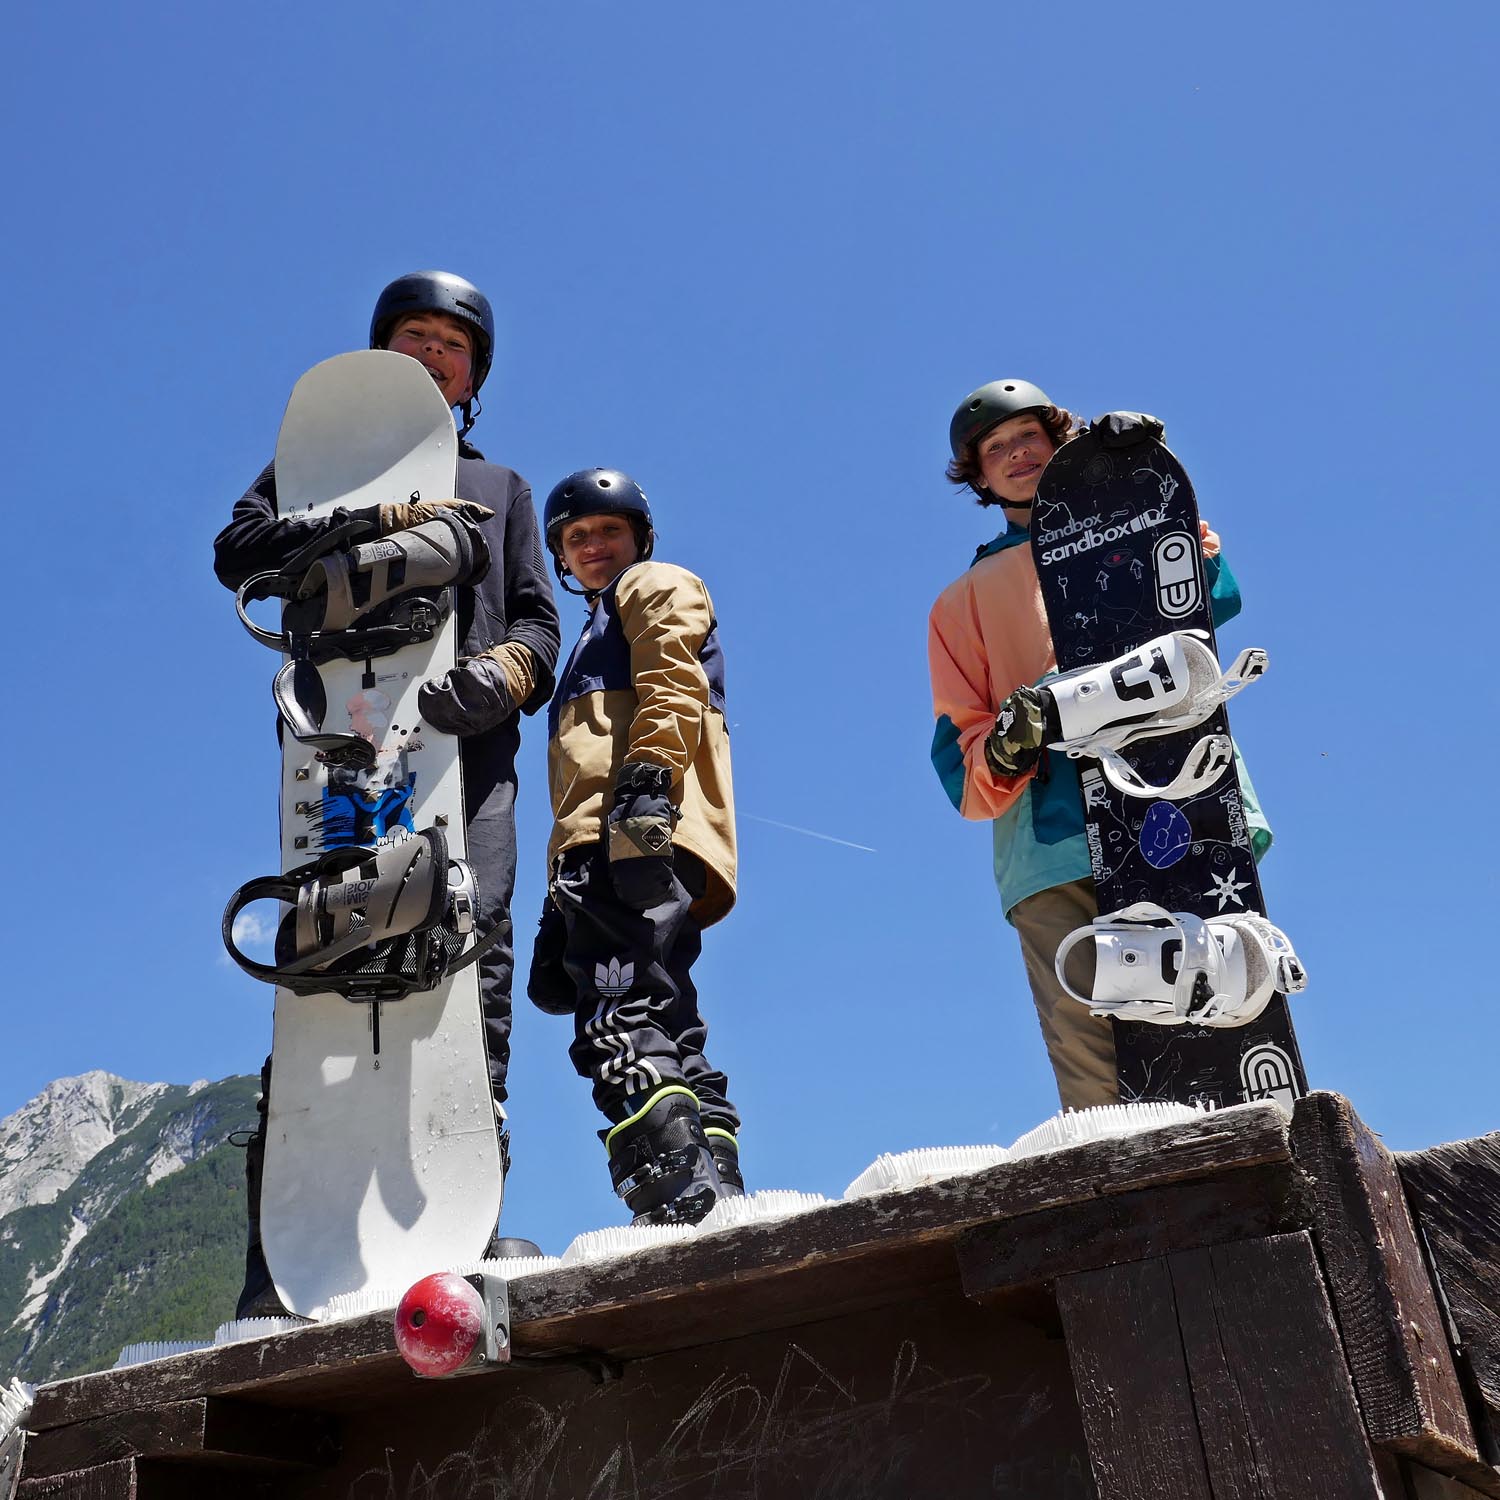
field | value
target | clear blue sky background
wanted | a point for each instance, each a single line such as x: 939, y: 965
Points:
x: 755, y: 255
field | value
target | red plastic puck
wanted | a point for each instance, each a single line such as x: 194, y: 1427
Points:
x: 440, y: 1324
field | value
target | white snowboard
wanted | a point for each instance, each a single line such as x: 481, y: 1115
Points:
x: 379, y: 1168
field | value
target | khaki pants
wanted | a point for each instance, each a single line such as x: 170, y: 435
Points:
x: 1080, y: 1046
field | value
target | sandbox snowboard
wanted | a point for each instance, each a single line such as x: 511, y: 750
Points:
x: 382, y: 1154
x: 1115, y: 537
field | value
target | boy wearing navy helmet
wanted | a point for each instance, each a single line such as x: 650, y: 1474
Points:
x: 508, y: 631
x: 642, y: 854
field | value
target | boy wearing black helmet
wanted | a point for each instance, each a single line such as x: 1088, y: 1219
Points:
x: 988, y: 642
x: 507, y: 623
x: 642, y: 854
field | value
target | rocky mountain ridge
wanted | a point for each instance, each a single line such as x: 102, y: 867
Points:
x: 121, y: 1213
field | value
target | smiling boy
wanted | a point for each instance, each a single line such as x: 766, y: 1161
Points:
x: 988, y: 643
x: 642, y: 854
x: 507, y: 622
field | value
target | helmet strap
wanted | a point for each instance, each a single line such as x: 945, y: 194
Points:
x: 471, y: 409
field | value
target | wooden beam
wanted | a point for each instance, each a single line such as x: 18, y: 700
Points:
x: 1274, y: 1401
x: 1215, y: 1375
x: 1132, y: 1381
x: 1041, y: 1247
x: 1454, y: 1194
x: 870, y: 1252
x: 114, y: 1481
x: 206, y: 1428
x: 1392, y: 1329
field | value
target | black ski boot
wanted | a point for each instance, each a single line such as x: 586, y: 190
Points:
x: 660, y: 1161
x: 258, y: 1297
x: 725, y: 1147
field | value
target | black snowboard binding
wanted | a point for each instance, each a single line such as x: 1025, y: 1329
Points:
x: 660, y: 1161
x: 370, y: 924
x: 353, y: 597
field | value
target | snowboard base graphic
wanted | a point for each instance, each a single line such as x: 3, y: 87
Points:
x: 1115, y: 537
x: 382, y: 1153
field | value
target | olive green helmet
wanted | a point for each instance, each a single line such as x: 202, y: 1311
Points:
x: 990, y: 405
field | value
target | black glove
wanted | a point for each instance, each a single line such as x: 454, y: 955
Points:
x: 1124, y: 429
x: 1021, y: 731
x: 471, y: 698
x: 640, y: 835
x: 548, y: 985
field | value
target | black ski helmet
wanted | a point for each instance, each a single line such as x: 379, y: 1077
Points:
x: 989, y: 406
x: 595, y: 492
x: 437, y: 291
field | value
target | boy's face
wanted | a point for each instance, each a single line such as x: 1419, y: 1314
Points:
x: 1012, y: 457
x: 444, y: 346
x: 597, y: 549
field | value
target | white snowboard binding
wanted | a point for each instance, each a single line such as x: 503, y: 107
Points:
x: 1176, y: 969
x: 349, y: 908
x: 1167, y: 685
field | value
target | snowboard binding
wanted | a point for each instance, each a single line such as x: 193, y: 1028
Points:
x: 352, y: 596
x: 1175, y: 969
x: 1170, y: 684
x: 369, y: 924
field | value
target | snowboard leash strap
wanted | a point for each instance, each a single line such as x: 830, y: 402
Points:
x: 348, y: 901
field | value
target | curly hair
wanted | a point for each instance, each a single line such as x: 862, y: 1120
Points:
x: 1061, y: 425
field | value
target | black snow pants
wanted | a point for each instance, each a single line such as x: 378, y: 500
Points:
x: 636, y: 1022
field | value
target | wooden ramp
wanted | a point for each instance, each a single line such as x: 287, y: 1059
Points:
x: 1240, y: 1306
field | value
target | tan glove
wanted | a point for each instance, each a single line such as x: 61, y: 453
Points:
x: 402, y: 515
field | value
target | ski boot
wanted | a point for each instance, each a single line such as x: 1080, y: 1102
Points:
x: 725, y: 1148
x: 348, y: 900
x: 258, y: 1298
x: 1165, y: 686
x: 660, y: 1161
x: 1176, y: 969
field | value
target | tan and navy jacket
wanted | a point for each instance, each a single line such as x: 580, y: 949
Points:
x: 646, y: 683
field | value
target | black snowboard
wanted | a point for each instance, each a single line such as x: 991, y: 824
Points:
x: 1114, y: 533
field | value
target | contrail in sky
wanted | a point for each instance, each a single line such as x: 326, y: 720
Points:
x: 827, y: 838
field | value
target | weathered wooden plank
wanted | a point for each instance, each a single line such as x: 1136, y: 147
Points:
x: 845, y: 1257
x: 1391, y: 1326
x: 1274, y: 1402
x: 1423, y: 1484
x: 114, y: 1481
x: 1454, y: 1194
x: 1123, y: 1227
x: 1132, y: 1381
x: 202, y: 1428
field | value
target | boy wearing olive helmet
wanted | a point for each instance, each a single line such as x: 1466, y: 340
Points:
x: 988, y: 643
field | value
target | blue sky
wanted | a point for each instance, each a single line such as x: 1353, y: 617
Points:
x: 755, y: 256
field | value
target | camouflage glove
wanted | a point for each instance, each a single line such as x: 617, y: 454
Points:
x: 1124, y: 429
x: 473, y: 697
x: 640, y: 835
x: 402, y: 515
x: 1015, y: 744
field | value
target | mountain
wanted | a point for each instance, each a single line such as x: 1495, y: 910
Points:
x: 122, y: 1218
